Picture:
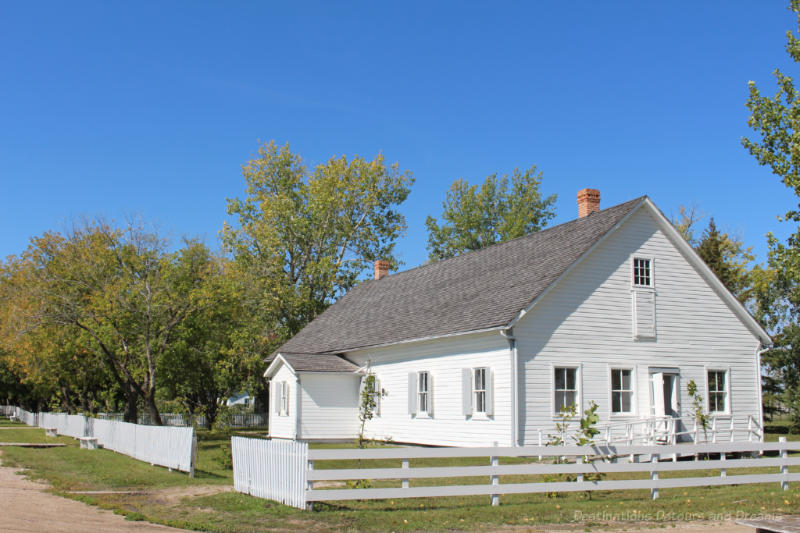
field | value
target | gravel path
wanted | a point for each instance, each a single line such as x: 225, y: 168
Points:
x: 26, y: 508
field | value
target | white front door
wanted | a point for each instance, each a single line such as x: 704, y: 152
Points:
x: 664, y: 393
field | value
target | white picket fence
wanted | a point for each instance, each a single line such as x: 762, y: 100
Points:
x: 172, y: 447
x: 7, y: 410
x: 271, y: 469
x: 285, y: 470
x: 75, y: 426
x: 25, y: 416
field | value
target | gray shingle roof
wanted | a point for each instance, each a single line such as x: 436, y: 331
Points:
x: 319, y: 363
x: 477, y: 290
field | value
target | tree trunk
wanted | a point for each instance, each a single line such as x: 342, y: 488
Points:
x: 66, y: 400
x: 212, y: 410
x: 150, y: 404
x: 131, y: 407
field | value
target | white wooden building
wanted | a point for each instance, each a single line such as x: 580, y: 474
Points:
x: 483, y: 349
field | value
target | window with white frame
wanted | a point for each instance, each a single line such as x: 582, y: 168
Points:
x: 717, y: 391
x: 284, y: 398
x: 642, y: 272
x: 566, y: 387
x: 423, y: 392
x: 479, y: 390
x: 621, y: 390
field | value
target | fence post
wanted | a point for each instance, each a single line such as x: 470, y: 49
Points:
x: 540, y: 442
x: 723, y: 472
x: 654, y: 477
x: 194, y: 454
x: 579, y: 477
x: 495, y: 481
x: 784, y: 467
x: 405, y: 479
x: 310, y: 485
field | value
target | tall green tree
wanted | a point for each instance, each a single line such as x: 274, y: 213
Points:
x: 723, y: 252
x: 202, y: 367
x: 728, y: 258
x: 114, y: 296
x: 303, y: 237
x: 776, y: 144
x: 500, y: 209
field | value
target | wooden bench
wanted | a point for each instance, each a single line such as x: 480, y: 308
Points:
x: 783, y: 524
x: 50, y: 432
x: 90, y: 443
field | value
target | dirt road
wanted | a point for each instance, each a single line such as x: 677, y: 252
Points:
x: 27, y: 508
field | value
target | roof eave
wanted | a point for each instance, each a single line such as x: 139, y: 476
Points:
x: 691, y: 255
x: 276, y: 364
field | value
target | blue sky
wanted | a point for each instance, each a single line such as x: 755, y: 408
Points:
x: 152, y: 107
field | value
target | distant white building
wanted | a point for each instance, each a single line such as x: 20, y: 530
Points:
x: 242, y: 398
x: 485, y: 348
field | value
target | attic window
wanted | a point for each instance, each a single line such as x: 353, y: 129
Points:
x: 642, y: 272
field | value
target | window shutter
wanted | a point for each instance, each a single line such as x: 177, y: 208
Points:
x: 286, y: 384
x: 431, y: 390
x: 489, y: 392
x: 644, y: 314
x: 466, y: 391
x: 412, y: 393
x: 276, y: 397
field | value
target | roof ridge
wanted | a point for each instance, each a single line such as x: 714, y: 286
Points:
x: 469, y: 292
x: 497, y: 244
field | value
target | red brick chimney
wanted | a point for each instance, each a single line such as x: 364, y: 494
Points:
x: 588, y: 202
x: 381, y: 268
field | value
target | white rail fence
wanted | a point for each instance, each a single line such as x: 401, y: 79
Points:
x: 272, y: 469
x: 7, y: 410
x: 671, y: 430
x: 171, y: 447
x: 285, y: 470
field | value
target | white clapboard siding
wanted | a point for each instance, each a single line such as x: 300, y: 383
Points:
x: 167, y: 446
x: 271, y: 469
x: 283, y: 425
x: 328, y: 405
x: 445, y: 360
x: 587, y: 321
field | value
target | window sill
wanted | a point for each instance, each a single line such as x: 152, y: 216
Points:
x: 479, y: 416
x: 422, y: 416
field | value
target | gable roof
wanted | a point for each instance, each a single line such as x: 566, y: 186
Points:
x: 476, y: 291
x: 318, y: 363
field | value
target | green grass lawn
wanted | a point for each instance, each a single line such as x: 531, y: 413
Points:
x: 155, y: 494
